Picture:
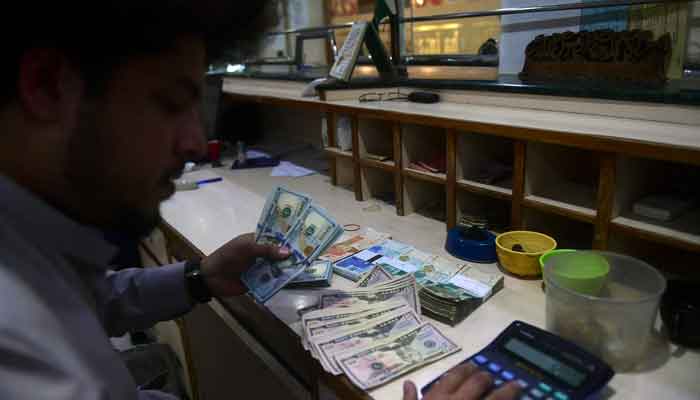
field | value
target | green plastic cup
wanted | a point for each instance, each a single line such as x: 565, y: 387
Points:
x: 583, y: 272
x: 545, y: 256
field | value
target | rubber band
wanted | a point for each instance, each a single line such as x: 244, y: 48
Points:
x: 351, y: 227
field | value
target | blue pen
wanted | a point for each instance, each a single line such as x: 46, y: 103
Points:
x: 211, y: 180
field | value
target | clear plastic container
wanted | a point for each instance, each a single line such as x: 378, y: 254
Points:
x: 610, y: 309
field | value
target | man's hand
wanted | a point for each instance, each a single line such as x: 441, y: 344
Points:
x: 222, y: 269
x: 464, y: 382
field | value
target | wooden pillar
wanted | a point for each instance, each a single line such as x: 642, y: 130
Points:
x: 331, y: 125
x: 398, y: 162
x: 516, y: 215
x: 451, y: 184
x: 357, y: 169
x: 606, y: 199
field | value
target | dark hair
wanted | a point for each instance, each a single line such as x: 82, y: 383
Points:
x: 100, y: 35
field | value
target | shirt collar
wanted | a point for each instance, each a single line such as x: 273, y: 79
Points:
x: 50, y: 229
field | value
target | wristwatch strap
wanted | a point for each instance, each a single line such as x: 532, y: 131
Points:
x: 194, y: 280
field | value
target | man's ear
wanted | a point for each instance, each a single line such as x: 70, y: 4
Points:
x: 48, y: 85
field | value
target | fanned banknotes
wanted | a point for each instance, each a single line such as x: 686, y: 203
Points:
x: 395, y: 356
x: 292, y: 221
x: 399, y: 288
x: 318, y: 274
x: 373, y: 332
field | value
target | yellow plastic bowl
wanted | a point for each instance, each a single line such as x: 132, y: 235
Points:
x: 527, y: 263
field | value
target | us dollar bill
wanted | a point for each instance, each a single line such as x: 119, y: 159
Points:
x: 312, y: 234
x: 320, y: 317
x: 281, y: 212
x: 359, y: 298
x: 326, y: 347
x: 352, y: 322
x: 319, y: 273
x: 266, y: 278
x: 376, y: 365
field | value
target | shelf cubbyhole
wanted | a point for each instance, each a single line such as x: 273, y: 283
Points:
x: 563, y: 177
x: 476, y: 209
x: 485, y: 162
x: 427, y: 145
x: 673, y: 262
x: 568, y: 233
x: 376, y: 140
x: 667, y: 196
x: 425, y: 198
x: 343, y: 134
x: 378, y: 184
x: 345, y: 172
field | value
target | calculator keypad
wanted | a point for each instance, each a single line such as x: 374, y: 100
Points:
x: 539, y: 390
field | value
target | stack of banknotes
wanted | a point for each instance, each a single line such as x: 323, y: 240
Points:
x: 292, y: 220
x: 374, y: 334
x: 449, y: 290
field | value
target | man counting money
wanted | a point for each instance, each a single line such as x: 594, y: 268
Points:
x: 100, y: 110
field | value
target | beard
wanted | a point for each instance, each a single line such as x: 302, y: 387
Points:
x: 105, y: 194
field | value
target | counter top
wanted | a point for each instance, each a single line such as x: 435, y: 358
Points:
x: 215, y: 213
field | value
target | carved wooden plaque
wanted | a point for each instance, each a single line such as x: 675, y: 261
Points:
x: 632, y: 56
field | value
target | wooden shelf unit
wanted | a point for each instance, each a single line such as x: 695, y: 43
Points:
x: 569, y: 191
x: 577, y: 165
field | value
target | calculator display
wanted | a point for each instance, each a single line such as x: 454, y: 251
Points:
x: 545, y: 362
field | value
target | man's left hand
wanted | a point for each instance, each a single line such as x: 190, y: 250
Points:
x: 222, y: 269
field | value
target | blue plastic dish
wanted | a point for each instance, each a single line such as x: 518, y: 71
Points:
x: 461, y: 243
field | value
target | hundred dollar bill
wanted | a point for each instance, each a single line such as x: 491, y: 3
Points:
x: 266, y: 278
x: 312, y: 234
x: 376, y: 365
x: 353, y: 245
x: 355, y: 298
x: 282, y: 210
x: 326, y: 347
x: 319, y: 273
x: 375, y: 276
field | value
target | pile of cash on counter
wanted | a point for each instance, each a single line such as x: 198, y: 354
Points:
x: 373, y: 335
x: 375, y: 332
x: 449, y: 291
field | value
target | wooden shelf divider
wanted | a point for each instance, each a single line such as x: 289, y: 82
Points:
x: 606, y: 200
x: 440, y: 179
x: 451, y: 201
x: 332, y: 162
x: 485, y: 189
x: 359, y: 193
x: 556, y: 207
x: 385, y: 165
x: 519, y: 159
x: 398, y: 161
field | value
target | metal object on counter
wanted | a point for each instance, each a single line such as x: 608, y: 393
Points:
x: 241, y: 158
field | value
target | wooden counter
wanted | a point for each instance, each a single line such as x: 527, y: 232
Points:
x: 198, y: 222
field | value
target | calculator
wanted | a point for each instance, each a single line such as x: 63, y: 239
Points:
x: 545, y: 365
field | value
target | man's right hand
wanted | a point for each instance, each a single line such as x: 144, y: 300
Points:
x: 464, y: 382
